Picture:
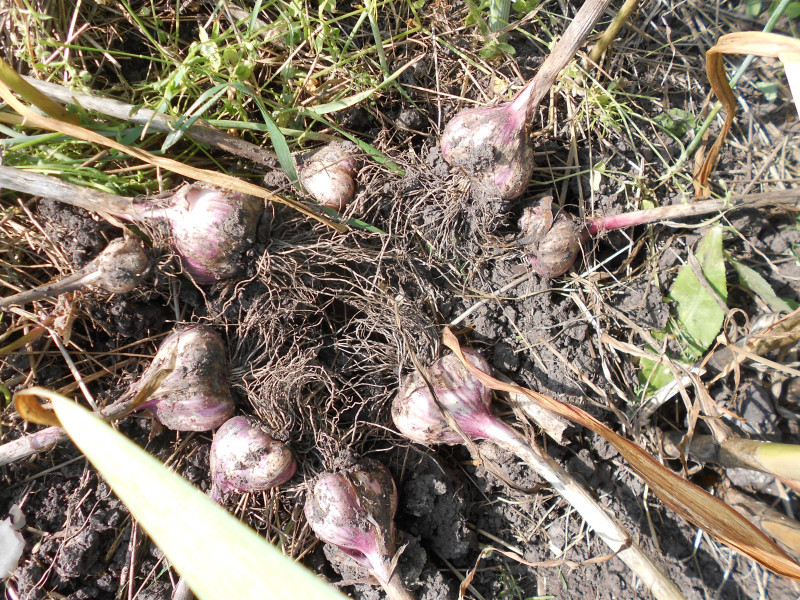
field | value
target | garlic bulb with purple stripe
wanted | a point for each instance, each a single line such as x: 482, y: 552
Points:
x: 354, y: 510
x: 195, y: 396
x: 417, y: 416
x: 212, y: 228
x: 493, y: 144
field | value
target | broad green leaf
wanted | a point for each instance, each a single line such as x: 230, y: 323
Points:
x: 219, y: 556
x: 770, y: 89
x: 761, y: 287
x: 753, y: 7
x: 654, y: 374
x: 676, y: 121
x: 699, y: 316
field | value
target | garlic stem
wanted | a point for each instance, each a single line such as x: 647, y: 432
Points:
x: 394, y: 588
x: 46, y: 438
x: 31, y: 444
x: 46, y: 186
x: 597, y: 517
x: 682, y: 211
x: 564, y: 50
x: 200, y: 131
x: 76, y: 281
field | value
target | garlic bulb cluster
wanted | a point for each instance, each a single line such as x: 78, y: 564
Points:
x: 354, y: 510
x: 195, y: 396
x: 493, y: 144
x: 552, y: 244
x: 417, y: 415
x: 118, y: 269
x: 329, y: 174
x: 244, y: 458
x: 211, y: 228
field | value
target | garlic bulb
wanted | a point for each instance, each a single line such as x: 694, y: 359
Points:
x: 552, y: 245
x: 417, y: 416
x: 354, y: 510
x: 212, y: 228
x: 118, y: 269
x: 244, y: 458
x: 493, y: 144
x: 329, y: 174
x: 195, y: 396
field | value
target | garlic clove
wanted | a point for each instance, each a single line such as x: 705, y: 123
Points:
x: 195, y: 396
x: 244, y: 458
x: 212, y: 229
x: 417, y: 416
x: 329, y: 174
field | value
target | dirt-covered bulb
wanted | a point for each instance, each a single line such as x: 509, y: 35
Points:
x: 493, y: 144
x: 118, y: 269
x: 194, y: 396
x: 244, y: 458
x: 329, y: 174
x: 121, y: 266
x: 551, y: 243
x: 417, y: 415
x: 354, y: 511
x: 212, y: 228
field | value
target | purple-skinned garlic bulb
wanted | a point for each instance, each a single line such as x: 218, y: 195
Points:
x: 417, y: 416
x: 354, y: 510
x: 329, y: 174
x: 118, y: 269
x: 493, y: 144
x: 244, y: 458
x: 195, y: 395
x: 211, y: 229
x: 552, y: 244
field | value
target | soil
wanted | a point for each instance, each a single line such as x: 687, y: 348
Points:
x: 321, y: 325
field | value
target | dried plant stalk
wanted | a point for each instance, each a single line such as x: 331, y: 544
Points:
x: 770, y: 45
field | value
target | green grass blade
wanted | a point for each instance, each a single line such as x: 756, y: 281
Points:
x: 323, y: 109
x: 220, y: 557
x: 275, y: 135
x: 197, y: 110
